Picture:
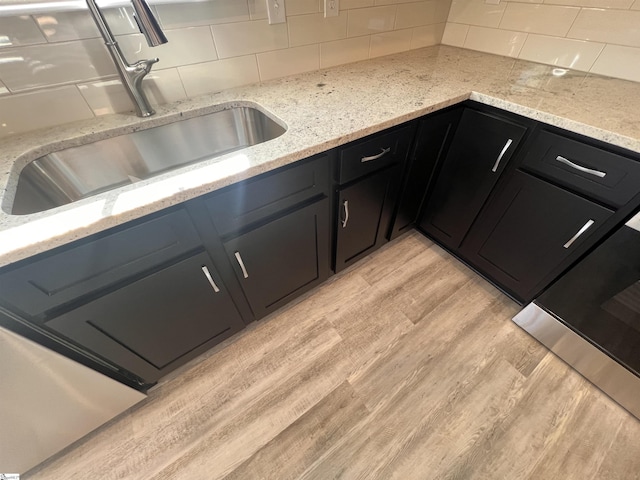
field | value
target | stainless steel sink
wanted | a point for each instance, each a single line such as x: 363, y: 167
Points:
x: 63, y: 177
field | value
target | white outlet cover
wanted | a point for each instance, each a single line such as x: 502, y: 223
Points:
x: 331, y: 8
x: 276, y: 11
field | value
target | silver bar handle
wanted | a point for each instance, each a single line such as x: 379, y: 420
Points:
x: 584, y: 228
x: 207, y: 274
x: 345, y: 204
x: 580, y: 168
x: 375, y: 157
x: 241, y: 263
x: 499, y: 159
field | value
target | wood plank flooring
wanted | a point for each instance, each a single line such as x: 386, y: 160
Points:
x: 405, y: 366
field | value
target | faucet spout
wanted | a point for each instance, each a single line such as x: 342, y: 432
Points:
x: 132, y: 74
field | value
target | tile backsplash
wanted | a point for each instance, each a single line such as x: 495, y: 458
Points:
x: 54, y: 67
x: 599, y: 36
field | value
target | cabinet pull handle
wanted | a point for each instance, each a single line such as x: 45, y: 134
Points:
x: 241, y: 263
x: 345, y: 204
x: 590, y: 171
x: 584, y: 228
x: 207, y: 274
x: 375, y: 157
x: 499, y: 159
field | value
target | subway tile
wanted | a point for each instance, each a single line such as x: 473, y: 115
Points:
x: 257, y: 9
x: 428, y: 35
x: 365, y: 21
x: 420, y: 13
x: 575, y: 54
x: 191, y: 14
x: 243, y: 38
x: 344, y: 51
x: 57, y: 63
x: 608, y: 26
x: 109, y: 96
x: 314, y: 28
x: 349, y: 4
x: 185, y: 46
x: 476, y: 12
x: 281, y: 63
x: 78, y: 25
x: 455, y: 34
x: 491, y: 40
x: 388, y: 43
x: 18, y: 31
x: 619, y: 4
x: 40, y: 109
x: 219, y: 75
x: 301, y: 7
x: 620, y: 62
x: 544, y: 19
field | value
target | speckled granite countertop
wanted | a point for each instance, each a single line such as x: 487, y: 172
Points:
x: 321, y: 110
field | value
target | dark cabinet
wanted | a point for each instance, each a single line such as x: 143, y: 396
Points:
x: 527, y: 230
x: 433, y: 138
x: 480, y: 149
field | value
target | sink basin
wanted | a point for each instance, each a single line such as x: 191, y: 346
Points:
x: 69, y: 175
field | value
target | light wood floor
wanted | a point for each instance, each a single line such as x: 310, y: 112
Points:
x: 406, y: 366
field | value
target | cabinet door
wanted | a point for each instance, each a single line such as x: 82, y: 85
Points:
x: 362, y: 219
x: 528, y: 230
x: 158, y: 322
x: 283, y: 258
x: 432, y: 142
x: 482, y: 146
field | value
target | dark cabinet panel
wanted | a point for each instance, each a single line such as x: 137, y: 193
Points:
x: 480, y: 150
x: 282, y: 258
x: 433, y: 138
x: 158, y: 322
x: 527, y: 230
x: 363, y: 218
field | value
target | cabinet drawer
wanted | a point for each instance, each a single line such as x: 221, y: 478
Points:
x: 256, y: 199
x: 599, y: 174
x: 54, y: 279
x: 373, y: 153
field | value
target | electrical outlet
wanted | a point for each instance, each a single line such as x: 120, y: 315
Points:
x: 276, y: 11
x: 331, y: 8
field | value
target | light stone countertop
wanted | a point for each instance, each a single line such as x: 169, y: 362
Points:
x: 321, y: 110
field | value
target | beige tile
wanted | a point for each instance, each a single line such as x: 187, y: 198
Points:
x: 344, y: 51
x: 300, y: 7
x: 365, y: 21
x: 608, y: 26
x: 185, y: 46
x: 392, y: 2
x: 544, y: 19
x: 219, y: 75
x: 257, y: 9
x: 390, y: 42
x: 314, y: 28
x: 427, y: 36
x: 636, y: 5
x: 236, y: 39
x: 52, y: 64
x: 620, y: 4
x: 40, y: 109
x: 476, y: 12
x: 491, y: 40
x: 348, y: 4
x: 291, y: 61
x: 109, y: 96
x: 210, y: 12
x: 620, y: 62
x: 3, y: 90
x: 17, y: 31
x: 76, y: 25
x: 575, y: 54
x: 455, y: 34
x: 420, y: 13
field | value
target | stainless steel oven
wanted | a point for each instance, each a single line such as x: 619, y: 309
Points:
x: 591, y: 316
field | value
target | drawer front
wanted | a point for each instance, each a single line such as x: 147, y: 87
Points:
x: 596, y: 173
x: 267, y: 195
x: 373, y: 153
x: 53, y: 280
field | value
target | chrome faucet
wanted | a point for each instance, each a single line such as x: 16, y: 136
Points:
x: 132, y: 75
